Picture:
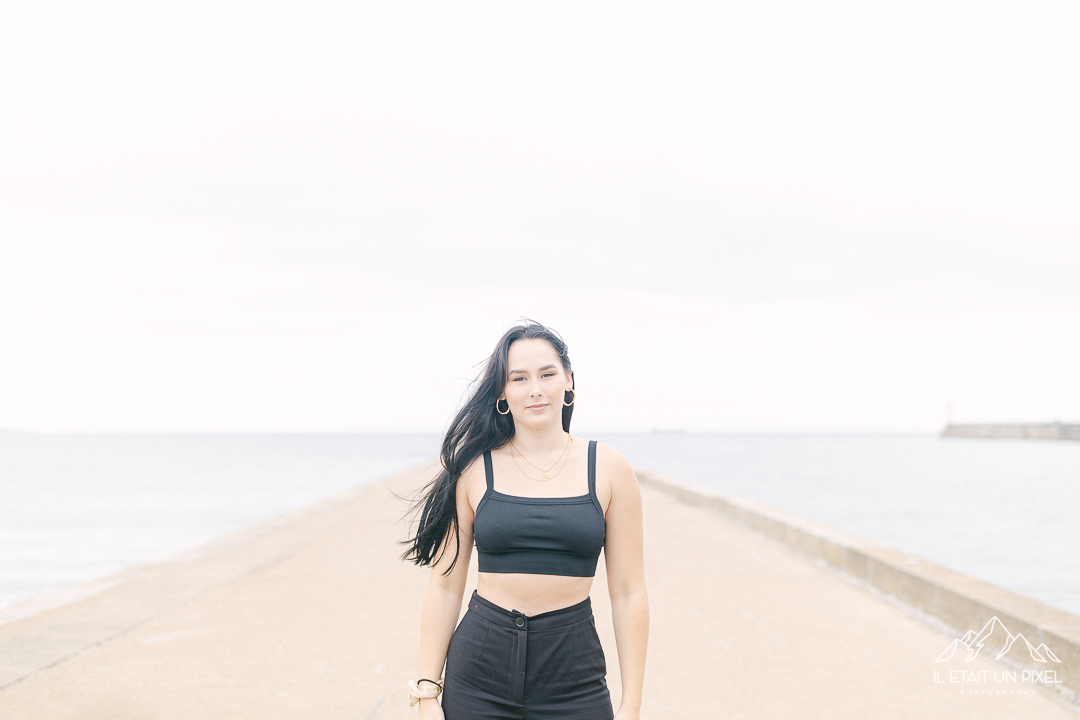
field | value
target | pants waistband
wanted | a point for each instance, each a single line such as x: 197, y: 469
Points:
x: 519, y: 621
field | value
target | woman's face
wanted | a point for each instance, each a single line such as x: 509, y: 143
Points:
x: 536, y: 383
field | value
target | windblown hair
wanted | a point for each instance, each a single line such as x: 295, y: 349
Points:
x: 476, y: 428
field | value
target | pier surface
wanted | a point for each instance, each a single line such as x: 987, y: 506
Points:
x: 314, y: 616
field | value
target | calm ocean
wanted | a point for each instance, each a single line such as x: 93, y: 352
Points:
x: 77, y: 507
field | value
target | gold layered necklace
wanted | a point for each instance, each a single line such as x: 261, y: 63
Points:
x: 547, y: 473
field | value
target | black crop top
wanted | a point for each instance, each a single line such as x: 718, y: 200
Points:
x: 541, y: 536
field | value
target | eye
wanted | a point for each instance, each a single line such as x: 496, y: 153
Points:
x: 548, y: 374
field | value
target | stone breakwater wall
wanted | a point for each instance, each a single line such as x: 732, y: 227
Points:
x: 1027, y: 431
x: 954, y: 603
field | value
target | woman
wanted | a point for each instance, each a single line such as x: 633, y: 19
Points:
x: 539, y: 504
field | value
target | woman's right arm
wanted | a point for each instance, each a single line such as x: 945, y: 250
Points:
x: 442, y: 601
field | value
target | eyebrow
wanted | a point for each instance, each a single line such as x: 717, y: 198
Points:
x: 546, y: 367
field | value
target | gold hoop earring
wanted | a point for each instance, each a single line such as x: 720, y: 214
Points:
x: 568, y: 404
x: 500, y: 411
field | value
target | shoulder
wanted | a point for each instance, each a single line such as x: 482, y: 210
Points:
x: 472, y: 482
x: 616, y: 468
x: 475, y: 468
x: 616, y: 484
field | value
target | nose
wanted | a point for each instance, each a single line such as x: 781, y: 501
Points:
x: 534, y: 389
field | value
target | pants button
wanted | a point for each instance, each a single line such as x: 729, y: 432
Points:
x: 520, y: 622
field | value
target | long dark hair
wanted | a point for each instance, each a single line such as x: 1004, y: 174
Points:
x: 476, y: 428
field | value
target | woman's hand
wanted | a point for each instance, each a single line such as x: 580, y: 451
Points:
x: 430, y: 709
x: 625, y: 714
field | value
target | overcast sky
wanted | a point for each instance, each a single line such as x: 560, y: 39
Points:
x: 242, y: 216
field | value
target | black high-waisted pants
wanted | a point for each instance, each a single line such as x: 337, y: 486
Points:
x: 502, y: 665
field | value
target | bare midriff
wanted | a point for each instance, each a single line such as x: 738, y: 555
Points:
x: 532, y: 594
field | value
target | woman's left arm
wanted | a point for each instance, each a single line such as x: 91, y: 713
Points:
x: 623, y: 551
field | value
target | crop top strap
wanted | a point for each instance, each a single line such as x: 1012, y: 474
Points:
x: 490, y: 483
x: 592, y: 477
x: 488, y: 471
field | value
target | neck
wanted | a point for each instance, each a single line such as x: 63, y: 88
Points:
x: 540, y: 440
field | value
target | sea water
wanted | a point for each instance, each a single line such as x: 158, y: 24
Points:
x: 77, y: 507
x: 74, y: 508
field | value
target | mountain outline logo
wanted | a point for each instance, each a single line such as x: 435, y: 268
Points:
x: 973, y: 642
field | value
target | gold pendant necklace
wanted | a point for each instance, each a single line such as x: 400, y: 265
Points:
x: 564, y: 457
x: 569, y: 439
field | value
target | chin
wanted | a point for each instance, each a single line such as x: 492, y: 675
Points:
x: 538, y: 422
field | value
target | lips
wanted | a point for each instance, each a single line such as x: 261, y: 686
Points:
x: 537, y: 407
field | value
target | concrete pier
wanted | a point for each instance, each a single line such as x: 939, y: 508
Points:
x: 948, y: 601
x: 313, y: 615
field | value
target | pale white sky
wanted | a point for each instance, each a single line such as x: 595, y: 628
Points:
x: 232, y: 216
